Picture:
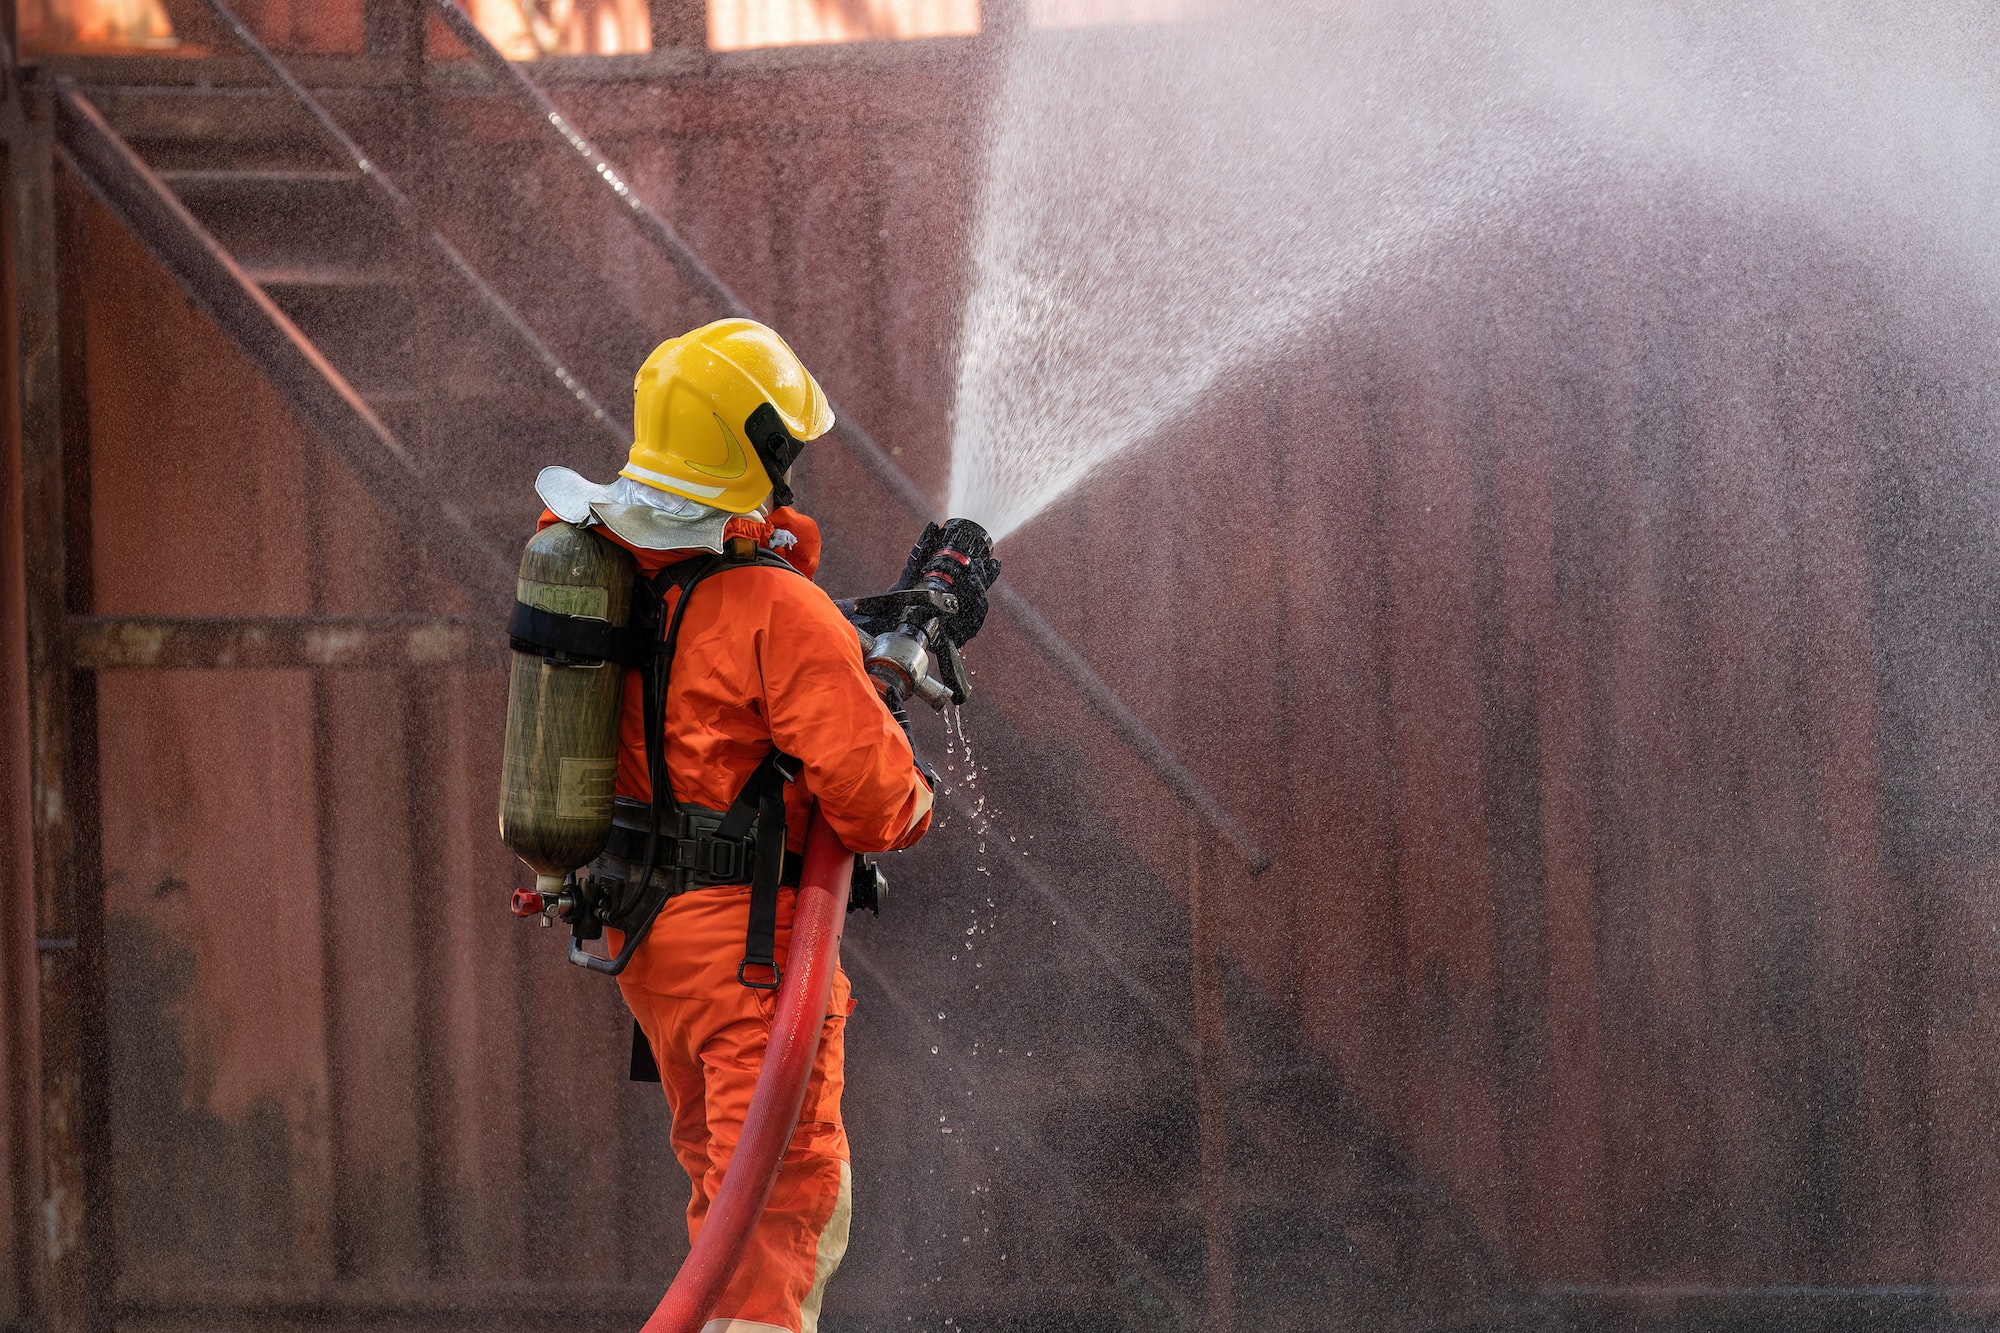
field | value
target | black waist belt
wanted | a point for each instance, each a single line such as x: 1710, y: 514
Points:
x: 629, y: 845
x: 692, y: 853
x: 671, y: 884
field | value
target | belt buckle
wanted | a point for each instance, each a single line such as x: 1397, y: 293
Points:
x: 728, y: 859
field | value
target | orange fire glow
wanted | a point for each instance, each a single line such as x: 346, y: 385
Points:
x: 529, y: 29
x: 734, y: 25
x: 49, y: 26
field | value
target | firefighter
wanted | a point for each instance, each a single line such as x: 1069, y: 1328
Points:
x: 764, y: 679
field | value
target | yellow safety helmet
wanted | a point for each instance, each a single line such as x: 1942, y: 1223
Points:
x: 719, y: 415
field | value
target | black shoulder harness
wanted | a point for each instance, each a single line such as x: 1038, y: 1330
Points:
x: 755, y: 819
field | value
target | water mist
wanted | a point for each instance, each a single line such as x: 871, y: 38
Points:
x: 1167, y: 204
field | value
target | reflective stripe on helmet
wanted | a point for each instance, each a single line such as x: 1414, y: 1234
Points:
x: 637, y: 473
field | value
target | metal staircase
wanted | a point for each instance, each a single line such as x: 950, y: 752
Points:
x: 277, y: 217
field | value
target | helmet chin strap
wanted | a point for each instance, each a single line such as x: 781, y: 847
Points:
x: 762, y: 512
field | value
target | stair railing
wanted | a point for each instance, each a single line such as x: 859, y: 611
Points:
x: 316, y: 389
x: 1124, y: 723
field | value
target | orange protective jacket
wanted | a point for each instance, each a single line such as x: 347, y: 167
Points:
x: 766, y: 658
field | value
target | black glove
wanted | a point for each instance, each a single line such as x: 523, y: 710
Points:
x: 913, y: 568
x: 969, y: 578
x: 920, y: 555
x: 970, y: 582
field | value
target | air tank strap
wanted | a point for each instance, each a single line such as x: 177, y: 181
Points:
x: 533, y: 630
x: 761, y: 805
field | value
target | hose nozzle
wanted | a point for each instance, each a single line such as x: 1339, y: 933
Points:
x: 915, y: 656
x: 959, y: 545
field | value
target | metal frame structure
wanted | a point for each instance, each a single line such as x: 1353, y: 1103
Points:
x: 63, y: 1184
x: 318, y: 391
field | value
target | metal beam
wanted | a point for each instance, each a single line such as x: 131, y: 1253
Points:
x: 1211, y: 1081
x: 279, y: 643
x: 66, y: 1289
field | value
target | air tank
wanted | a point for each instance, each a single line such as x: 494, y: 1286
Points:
x: 561, y: 758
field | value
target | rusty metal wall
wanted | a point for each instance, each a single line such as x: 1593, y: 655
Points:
x: 318, y: 1064
x: 342, y: 1081
x: 1548, y: 650
x: 1583, y: 607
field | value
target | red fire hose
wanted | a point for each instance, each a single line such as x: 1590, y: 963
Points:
x: 781, y: 1086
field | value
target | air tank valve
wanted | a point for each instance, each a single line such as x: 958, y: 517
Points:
x: 533, y: 902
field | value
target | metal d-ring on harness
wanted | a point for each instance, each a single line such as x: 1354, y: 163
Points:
x: 701, y: 847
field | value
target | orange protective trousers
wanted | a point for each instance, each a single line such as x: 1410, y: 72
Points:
x: 708, y: 1033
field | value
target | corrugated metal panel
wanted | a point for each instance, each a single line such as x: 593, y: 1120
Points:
x: 1582, y: 636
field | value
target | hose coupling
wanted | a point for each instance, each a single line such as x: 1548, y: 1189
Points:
x: 901, y: 664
